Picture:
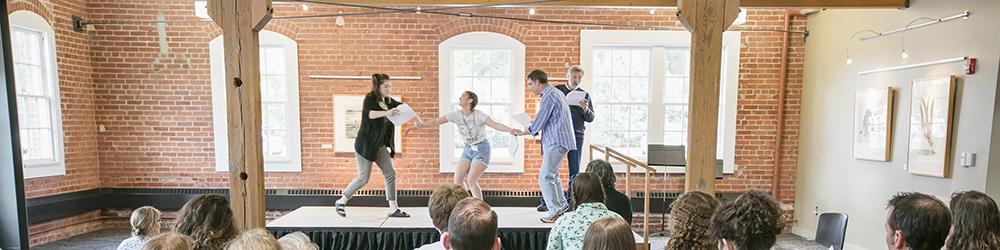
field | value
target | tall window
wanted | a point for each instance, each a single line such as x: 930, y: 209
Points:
x: 279, y: 91
x: 38, y: 108
x: 491, y: 65
x: 639, y: 82
x: 621, y: 98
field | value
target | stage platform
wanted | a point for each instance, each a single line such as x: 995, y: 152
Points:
x: 371, y: 228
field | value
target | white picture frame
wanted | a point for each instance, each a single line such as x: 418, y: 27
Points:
x: 872, y: 134
x: 932, y: 105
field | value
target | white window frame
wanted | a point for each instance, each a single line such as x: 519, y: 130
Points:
x: 660, y: 41
x: 472, y: 40
x: 218, y: 68
x: 32, y: 22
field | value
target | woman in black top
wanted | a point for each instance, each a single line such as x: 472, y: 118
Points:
x: 375, y: 144
x: 616, y: 201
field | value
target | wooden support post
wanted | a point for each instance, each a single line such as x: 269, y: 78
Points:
x: 241, y: 22
x: 706, y: 20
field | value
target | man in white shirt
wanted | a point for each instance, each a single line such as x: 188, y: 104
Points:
x: 440, y: 205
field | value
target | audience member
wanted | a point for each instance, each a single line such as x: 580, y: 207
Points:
x: 169, y: 241
x: 609, y: 233
x: 975, y: 222
x: 751, y: 222
x: 208, y: 220
x: 145, y: 223
x: 691, y: 220
x: 440, y: 205
x: 916, y: 221
x: 588, y: 206
x: 255, y: 239
x: 472, y: 226
x: 297, y: 241
x: 614, y: 200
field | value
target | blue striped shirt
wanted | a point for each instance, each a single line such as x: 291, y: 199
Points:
x: 554, y: 120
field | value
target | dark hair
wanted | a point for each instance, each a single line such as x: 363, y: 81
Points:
x: 976, y: 221
x: 690, y: 222
x: 472, y: 226
x: 208, y: 220
x: 377, y: 80
x: 541, y: 77
x: 751, y: 222
x: 442, y: 202
x: 924, y: 220
x: 474, y: 97
x: 602, y: 169
x: 587, y: 189
x: 609, y: 233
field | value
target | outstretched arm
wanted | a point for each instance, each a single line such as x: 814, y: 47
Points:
x: 432, y: 123
x: 500, y: 127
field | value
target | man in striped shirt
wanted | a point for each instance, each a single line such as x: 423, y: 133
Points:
x: 556, y: 125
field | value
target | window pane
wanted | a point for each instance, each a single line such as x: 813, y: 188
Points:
x: 676, y: 118
x: 499, y: 63
x: 272, y: 60
x: 462, y: 62
x: 677, y: 62
x: 20, y: 45
x: 601, y: 91
x: 480, y: 63
x: 676, y: 90
x: 275, y: 143
x: 36, y: 113
x: 273, y: 88
x: 29, y: 79
x: 638, y: 115
x: 501, y: 90
x: 481, y: 86
x: 620, y: 119
x: 640, y: 63
x: 274, y: 116
x: 39, y: 144
x: 35, y: 41
x: 619, y: 90
x: 639, y: 90
x: 602, y: 62
x: 621, y: 61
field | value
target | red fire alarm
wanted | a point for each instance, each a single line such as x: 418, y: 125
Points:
x: 970, y: 66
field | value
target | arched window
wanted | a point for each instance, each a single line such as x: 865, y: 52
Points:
x: 37, y: 79
x: 279, y: 91
x: 492, y: 66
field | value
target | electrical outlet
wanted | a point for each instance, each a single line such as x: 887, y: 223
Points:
x: 816, y: 210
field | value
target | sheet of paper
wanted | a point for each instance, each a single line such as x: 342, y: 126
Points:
x: 574, y: 97
x: 405, y: 114
x: 514, y: 146
x: 522, y: 119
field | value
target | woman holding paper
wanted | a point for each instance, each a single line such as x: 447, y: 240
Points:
x: 471, y: 125
x: 375, y: 143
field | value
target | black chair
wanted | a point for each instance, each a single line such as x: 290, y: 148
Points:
x: 831, y: 230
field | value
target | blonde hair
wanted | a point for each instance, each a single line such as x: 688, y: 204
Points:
x: 143, y: 219
x: 169, y: 241
x: 255, y: 239
x: 297, y: 241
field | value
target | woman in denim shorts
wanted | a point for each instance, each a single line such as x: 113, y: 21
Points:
x: 471, y: 125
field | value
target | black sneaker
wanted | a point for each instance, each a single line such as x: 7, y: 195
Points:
x: 542, y: 208
x: 341, y: 209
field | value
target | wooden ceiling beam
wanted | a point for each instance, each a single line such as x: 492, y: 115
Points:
x: 884, y: 4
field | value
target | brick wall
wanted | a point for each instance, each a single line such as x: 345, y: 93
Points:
x: 158, y: 123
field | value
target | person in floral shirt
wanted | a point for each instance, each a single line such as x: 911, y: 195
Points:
x: 588, y: 206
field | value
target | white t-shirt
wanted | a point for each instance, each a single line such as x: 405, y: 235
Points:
x: 472, y: 127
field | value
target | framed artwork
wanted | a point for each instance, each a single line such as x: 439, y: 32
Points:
x: 347, y: 121
x: 873, y: 113
x: 931, y: 111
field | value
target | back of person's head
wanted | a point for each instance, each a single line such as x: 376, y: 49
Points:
x: 297, y: 241
x: 917, y: 221
x: 472, y: 226
x: 751, y: 222
x: 255, y: 239
x: 145, y: 221
x: 975, y: 221
x: 208, y: 220
x: 442, y: 202
x: 602, y: 169
x: 539, y: 75
x: 609, y: 233
x: 587, y: 189
x: 690, y: 220
x: 169, y: 241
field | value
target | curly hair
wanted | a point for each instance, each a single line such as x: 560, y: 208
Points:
x: 603, y: 170
x: 751, y: 222
x: 690, y: 220
x: 208, y: 220
x: 975, y: 220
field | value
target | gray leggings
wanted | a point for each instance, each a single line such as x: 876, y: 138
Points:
x: 384, y: 163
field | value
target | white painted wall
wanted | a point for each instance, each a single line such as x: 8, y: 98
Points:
x: 828, y: 175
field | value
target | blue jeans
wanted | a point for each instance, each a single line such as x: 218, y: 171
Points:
x: 548, y: 178
x: 574, y: 158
